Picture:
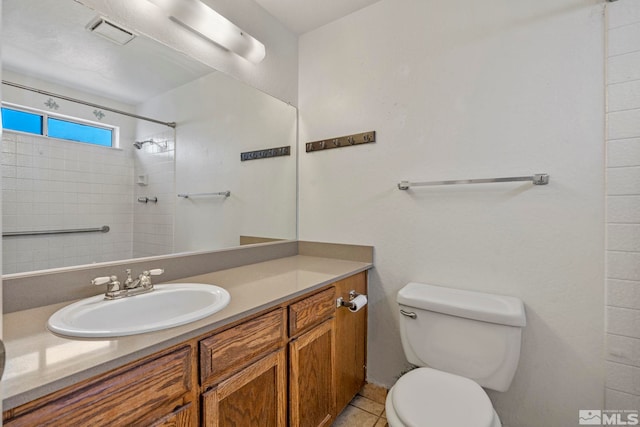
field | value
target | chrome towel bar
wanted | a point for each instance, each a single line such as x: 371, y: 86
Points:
x: 103, y: 229
x: 537, y: 179
x: 220, y: 193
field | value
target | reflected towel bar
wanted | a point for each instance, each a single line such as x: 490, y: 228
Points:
x: 220, y: 193
x: 537, y: 179
x: 103, y: 229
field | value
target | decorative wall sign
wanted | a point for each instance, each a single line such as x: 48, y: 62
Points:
x: 343, y: 141
x: 266, y: 153
x: 51, y: 104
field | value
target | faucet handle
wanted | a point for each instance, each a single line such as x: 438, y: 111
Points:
x: 103, y: 280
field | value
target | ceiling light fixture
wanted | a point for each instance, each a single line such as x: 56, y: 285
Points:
x: 206, y: 22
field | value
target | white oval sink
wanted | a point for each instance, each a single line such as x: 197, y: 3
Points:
x: 165, y: 307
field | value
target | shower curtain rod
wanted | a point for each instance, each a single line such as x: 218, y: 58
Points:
x: 79, y: 101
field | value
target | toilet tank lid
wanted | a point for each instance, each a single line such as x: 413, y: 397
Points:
x: 500, y: 309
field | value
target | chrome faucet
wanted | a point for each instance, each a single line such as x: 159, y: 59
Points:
x: 130, y: 287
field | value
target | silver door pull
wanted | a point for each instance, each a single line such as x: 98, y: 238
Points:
x: 409, y: 314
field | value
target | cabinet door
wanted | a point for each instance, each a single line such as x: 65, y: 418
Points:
x: 255, y: 396
x: 351, y: 342
x: 312, y: 398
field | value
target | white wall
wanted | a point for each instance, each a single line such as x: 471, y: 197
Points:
x: 467, y: 89
x: 217, y: 118
x: 623, y: 203
x: 276, y: 75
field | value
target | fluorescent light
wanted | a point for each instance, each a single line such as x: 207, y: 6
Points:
x: 206, y: 22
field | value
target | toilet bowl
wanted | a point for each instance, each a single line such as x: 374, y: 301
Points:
x: 427, y: 397
x: 461, y: 341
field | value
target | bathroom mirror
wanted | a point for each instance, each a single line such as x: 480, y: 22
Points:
x: 53, y: 184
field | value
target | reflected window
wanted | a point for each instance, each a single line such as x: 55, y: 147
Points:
x: 79, y: 132
x: 15, y: 118
x: 22, y: 121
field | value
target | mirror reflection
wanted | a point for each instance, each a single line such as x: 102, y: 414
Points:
x: 62, y: 184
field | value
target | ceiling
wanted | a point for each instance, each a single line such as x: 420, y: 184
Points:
x: 301, y: 16
x: 47, y: 39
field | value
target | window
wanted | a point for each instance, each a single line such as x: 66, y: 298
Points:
x: 22, y: 121
x: 42, y: 123
x: 72, y: 131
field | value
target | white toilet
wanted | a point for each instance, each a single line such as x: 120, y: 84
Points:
x: 467, y: 340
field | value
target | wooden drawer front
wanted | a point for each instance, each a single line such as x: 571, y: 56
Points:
x: 182, y: 417
x: 231, y: 350
x: 311, y: 311
x: 138, y: 395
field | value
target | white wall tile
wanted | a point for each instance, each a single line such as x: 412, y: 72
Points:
x: 623, y: 209
x: 624, y: 39
x: 623, y: 237
x: 52, y: 192
x: 623, y: 378
x: 615, y: 399
x: 623, y: 265
x: 623, y: 181
x: 621, y: 13
x: 623, y: 68
x: 624, y: 124
x: 623, y: 96
x: 624, y: 350
x: 623, y: 321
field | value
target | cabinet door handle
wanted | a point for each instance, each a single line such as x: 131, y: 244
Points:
x: 410, y: 314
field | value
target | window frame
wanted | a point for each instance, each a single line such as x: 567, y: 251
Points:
x: 115, y: 130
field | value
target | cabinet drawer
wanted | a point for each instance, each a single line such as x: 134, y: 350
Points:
x: 312, y: 310
x: 231, y: 350
x: 182, y: 417
x: 136, y: 395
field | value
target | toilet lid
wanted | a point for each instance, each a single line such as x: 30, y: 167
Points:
x: 426, y: 396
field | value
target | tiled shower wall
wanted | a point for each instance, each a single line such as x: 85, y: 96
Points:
x: 52, y: 184
x: 153, y: 222
x: 623, y: 206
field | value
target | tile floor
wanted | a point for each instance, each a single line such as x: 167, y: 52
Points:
x: 365, y: 410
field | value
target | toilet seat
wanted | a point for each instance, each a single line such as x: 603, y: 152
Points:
x: 427, y: 397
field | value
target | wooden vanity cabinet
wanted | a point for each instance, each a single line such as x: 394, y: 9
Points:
x: 298, y: 364
x: 154, y: 391
x: 255, y: 396
x: 312, y: 380
x: 351, y: 342
x: 243, y: 373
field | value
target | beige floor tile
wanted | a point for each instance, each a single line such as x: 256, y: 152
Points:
x: 382, y: 422
x: 374, y: 392
x: 368, y: 405
x: 355, y: 417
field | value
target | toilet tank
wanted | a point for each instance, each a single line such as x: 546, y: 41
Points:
x: 471, y: 334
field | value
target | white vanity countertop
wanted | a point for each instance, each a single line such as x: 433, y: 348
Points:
x: 39, y: 362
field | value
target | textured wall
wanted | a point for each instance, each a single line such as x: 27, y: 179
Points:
x: 623, y: 206
x: 467, y: 89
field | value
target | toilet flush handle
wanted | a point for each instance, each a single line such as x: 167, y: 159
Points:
x: 408, y: 314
